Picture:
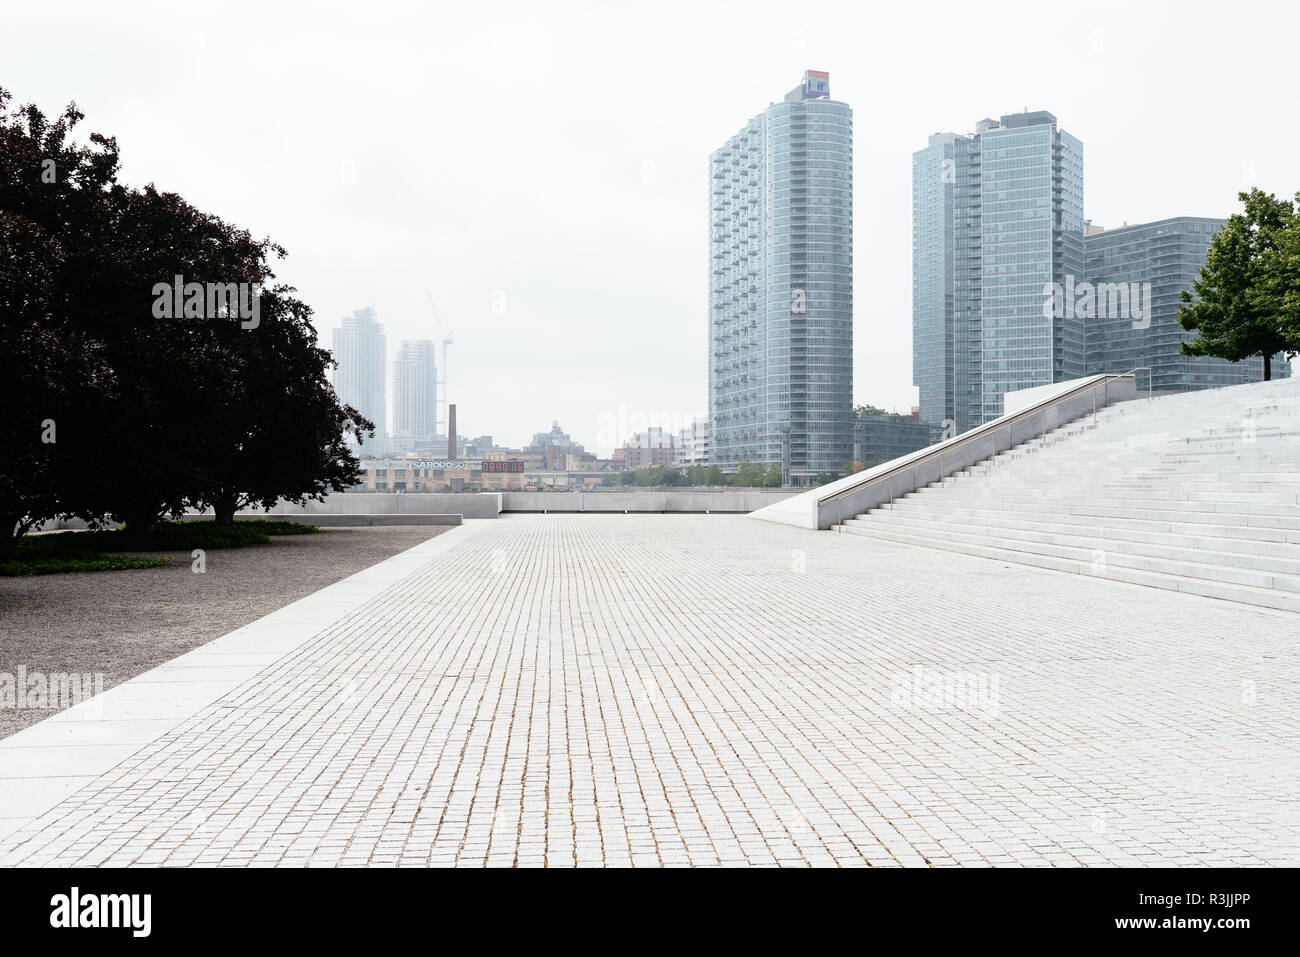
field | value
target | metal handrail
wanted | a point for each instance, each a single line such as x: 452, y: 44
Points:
x: 978, y: 433
x: 1150, y: 377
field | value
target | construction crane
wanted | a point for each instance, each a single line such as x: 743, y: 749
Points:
x: 440, y: 380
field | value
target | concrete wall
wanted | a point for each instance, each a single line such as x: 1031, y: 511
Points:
x: 682, y: 500
x: 490, y: 504
x: 389, y: 508
x: 447, y: 508
x: 468, y: 504
x: 339, y: 519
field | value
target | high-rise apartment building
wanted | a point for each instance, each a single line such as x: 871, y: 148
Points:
x: 415, y: 393
x: 934, y: 351
x: 359, y: 349
x: 997, y: 216
x: 781, y: 286
x: 1135, y: 276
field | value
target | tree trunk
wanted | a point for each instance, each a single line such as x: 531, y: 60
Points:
x: 1268, y: 367
x: 223, y: 509
x: 140, y: 521
x: 10, y: 536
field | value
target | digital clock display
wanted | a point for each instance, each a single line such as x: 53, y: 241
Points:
x: 498, y: 467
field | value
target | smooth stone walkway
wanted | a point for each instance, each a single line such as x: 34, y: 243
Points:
x: 43, y: 764
x: 674, y: 690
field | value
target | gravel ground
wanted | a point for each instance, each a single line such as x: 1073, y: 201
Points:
x: 124, y: 623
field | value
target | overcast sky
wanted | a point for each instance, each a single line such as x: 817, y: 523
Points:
x: 541, y: 168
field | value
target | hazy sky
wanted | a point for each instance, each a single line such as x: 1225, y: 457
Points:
x: 541, y: 168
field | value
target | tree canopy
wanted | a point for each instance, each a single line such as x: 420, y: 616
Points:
x: 119, y: 406
x: 746, y: 475
x: 1245, y: 302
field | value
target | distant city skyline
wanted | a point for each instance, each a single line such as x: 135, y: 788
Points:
x: 560, y: 232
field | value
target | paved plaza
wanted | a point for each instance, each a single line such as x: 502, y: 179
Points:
x: 689, y: 690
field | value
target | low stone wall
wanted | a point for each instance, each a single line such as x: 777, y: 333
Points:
x: 388, y: 508
x: 449, y: 508
x: 668, y: 500
x: 341, y: 519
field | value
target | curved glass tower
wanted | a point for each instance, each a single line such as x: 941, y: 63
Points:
x: 781, y: 287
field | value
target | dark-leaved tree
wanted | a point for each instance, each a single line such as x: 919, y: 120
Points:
x: 31, y: 378
x: 160, y: 398
x: 1282, y: 280
x: 52, y: 193
x: 285, y: 436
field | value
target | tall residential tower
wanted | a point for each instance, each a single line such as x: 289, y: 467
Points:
x: 996, y: 216
x: 359, y: 346
x: 781, y: 287
x: 415, y: 393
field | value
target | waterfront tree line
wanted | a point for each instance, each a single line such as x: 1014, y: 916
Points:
x: 746, y: 475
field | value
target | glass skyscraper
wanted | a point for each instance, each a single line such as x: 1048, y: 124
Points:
x: 1167, y: 255
x: 781, y: 287
x: 359, y: 348
x: 997, y: 216
x: 934, y: 352
x: 415, y: 393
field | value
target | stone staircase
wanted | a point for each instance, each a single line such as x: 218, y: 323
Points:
x: 1197, y: 493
